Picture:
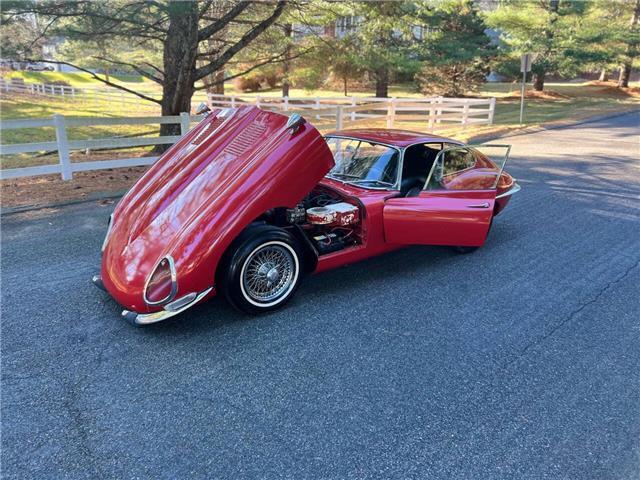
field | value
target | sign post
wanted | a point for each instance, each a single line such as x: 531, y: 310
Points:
x: 525, y: 66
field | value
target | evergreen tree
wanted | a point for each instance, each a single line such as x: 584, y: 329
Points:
x: 456, y: 49
x: 546, y: 28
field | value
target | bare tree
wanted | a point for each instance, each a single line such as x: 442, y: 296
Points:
x: 197, y: 38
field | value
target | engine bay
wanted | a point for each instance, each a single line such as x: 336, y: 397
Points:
x: 330, y: 221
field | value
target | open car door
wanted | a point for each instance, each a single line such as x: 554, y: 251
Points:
x: 456, y: 204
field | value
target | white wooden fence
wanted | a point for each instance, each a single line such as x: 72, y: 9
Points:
x: 326, y: 113
x: 432, y: 112
x: 95, y: 94
x: 63, y: 146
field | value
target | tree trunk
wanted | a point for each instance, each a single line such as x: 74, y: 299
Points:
x: 180, y: 49
x: 538, y: 81
x: 625, y: 70
x: 286, y: 65
x: 218, y: 86
x: 624, y: 75
x: 345, y: 81
x: 382, y: 82
x: 604, y: 75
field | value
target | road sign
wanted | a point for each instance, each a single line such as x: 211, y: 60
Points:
x: 525, y: 66
x: 525, y: 62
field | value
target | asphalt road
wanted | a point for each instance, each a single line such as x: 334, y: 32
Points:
x: 521, y: 360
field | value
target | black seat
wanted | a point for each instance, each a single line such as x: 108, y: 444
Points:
x: 418, y: 160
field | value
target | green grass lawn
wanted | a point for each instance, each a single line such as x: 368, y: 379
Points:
x: 75, y: 79
x: 27, y: 106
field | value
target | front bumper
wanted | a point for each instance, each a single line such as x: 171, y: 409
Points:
x: 174, y: 308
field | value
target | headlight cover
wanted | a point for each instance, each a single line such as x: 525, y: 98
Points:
x: 162, y: 284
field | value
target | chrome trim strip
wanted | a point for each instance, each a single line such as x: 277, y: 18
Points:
x: 515, y: 189
x: 106, y: 237
x: 180, y: 305
x: 174, y: 282
x: 97, y: 281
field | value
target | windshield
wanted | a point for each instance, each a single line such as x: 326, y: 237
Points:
x: 363, y: 163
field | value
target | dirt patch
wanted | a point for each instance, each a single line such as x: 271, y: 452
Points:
x: 51, y: 189
x: 611, y: 89
x: 544, y: 95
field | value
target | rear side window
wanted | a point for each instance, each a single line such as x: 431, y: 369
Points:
x: 456, y: 161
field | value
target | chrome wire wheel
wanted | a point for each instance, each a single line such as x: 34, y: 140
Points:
x: 269, y: 274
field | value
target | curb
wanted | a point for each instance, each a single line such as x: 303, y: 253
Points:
x: 555, y: 126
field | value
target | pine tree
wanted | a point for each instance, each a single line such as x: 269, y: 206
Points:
x: 457, y: 52
x: 546, y: 28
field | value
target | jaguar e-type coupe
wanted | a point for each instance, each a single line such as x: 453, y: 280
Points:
x: 250, y: 201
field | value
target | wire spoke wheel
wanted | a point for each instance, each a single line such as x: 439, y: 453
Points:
x: 269, y: 273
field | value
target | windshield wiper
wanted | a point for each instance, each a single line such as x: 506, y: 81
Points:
x: 339, y: 176
x: 365, y: 180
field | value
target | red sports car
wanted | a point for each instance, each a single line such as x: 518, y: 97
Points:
x: 250, y: 201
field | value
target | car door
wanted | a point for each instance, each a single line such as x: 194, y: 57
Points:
x: 456, y: 205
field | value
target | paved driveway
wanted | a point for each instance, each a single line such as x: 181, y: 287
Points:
x: 521, y: 360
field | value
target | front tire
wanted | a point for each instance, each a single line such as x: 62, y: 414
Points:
x: 263, y: 271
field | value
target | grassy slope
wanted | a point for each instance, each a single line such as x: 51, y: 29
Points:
x: 76, y: 79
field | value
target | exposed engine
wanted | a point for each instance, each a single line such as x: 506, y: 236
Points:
x: 329, y: 221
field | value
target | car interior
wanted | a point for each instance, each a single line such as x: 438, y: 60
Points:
x: 418, y: 160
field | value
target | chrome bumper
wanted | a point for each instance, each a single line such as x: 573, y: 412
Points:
x: 170, y: 309
x: 515, y: 189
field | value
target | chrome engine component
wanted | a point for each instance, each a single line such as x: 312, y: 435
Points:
x: 337, y: 214
x: 296, y: 215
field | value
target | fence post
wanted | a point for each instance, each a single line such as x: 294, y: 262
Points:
x: 439, y: 110
x: 63, y: 146
x: 286, y: 104
x: 184, y: 123
x: 317, y: 107
x: 73, y: 91
x: 53, y: 90
x: 339, y: 117
x: 233, y: 101
x: 492, y: 110
x: 258, y: 102
x: 431, y: 114
x: 353, y: 113
x: 465, y: 114
x: 391, y: 112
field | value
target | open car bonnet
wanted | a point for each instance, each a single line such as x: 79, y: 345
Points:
x: 231, y: 168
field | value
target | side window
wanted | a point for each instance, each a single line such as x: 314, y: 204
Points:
x: 456, y: 161
x: 467, y: 168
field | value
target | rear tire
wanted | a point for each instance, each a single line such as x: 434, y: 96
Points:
x: 263, y: 270
x: 465, y: 250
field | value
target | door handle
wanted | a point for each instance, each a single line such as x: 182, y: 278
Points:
x: 479, y: 205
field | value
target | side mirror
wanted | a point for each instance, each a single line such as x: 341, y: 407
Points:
x: 202, y: 109
x: 294, y: 122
